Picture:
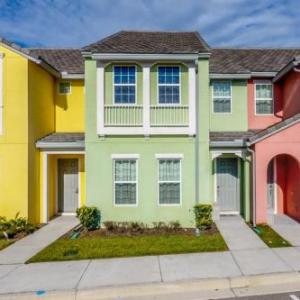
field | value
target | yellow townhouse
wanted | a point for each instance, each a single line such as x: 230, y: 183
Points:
x: 41, y: 131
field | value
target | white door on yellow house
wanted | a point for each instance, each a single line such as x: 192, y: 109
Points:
x: 67, y: 185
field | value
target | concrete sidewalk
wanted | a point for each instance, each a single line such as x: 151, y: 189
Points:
x: 238, y: 235
x: 240, y: 263
x: 286, y: 227
x: 22, y: 250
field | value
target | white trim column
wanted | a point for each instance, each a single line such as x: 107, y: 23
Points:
x: 45, y: 188
x: 146, y: 99
x: 100, y: 98
x: 192, y: 99
x: 1, y: 92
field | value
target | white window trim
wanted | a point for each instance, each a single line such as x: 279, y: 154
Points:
x: 169, y: 156
x: 171, y: 181
x: 263, y: 82
x: 115, y: 182
x: 168, y: 84
x: 58, y: 87
x: 1, y: 92
x: 221, y: 97
x: 124, y: 84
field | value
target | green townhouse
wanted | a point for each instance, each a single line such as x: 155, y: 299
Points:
x: 153, y: 136
x: 156, y: 123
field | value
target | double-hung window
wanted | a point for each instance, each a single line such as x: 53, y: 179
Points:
x: 169, y: 181
x: 125, y: 181
x: 221, y: 96
x: 263, y: 98
x: 124, y: 84
x: 169, y: 85
x: 64, y: 88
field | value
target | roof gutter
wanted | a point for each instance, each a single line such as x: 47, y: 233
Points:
x: 227, y: 144
x: 63, y: 145
x: 66, y: 75
x: 229, y: 76
x: 286, y: 70
x: 146, y: 56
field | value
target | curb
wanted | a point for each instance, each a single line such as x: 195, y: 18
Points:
x: 213, y: 288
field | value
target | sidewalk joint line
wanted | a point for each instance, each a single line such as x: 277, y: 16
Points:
x: 159, y: 267
x: 84, y: 271
x: 235, y: 261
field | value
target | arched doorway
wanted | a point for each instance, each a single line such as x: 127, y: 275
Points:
x: 283, y: 186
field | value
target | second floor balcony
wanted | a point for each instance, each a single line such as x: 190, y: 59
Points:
x: 146, y: 99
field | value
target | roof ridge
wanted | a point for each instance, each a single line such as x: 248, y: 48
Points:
x: 54, y: 49
x: 255, y: 48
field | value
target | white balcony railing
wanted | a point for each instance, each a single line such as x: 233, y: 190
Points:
x: 123, y: 115
x: 169, y: 116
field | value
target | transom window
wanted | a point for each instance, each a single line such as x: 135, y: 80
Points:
x: 169, y: 181
x: 169, y: 85
x: 263, y: 98
x: 222, y: 97
x: 125, y: 177
x: 124, y: 84
x: 64, y: 88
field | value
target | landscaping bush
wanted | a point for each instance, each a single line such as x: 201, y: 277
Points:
x: 10, y: 228
x: 203, y: 216
x: 89, y: 217
x: 174, y: 225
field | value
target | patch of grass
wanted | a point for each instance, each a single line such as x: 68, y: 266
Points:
x: 4, y: 243
x: 271, y: 237
x: 125, y: 246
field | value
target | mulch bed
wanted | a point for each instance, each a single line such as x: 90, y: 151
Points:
x: 145, y: 231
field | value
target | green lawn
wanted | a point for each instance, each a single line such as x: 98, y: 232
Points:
x: 271, y: 237
x: 4, y: 243
x: 124, y: 246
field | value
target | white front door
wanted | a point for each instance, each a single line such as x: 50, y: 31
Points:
x: 67, y: 185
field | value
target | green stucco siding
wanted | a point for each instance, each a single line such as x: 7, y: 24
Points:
x: 202, y: 140
x: 99, y: 169
x: 237, y: 120
x: 99, y: 179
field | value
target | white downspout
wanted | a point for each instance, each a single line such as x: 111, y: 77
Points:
x: 253, y: 184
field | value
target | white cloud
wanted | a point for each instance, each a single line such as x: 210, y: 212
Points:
x: 73, y: 23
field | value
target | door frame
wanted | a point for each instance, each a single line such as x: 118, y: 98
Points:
x: 234, y: 212
x: 275, y: 187
x: 57, y: 186
x: 45, y: 178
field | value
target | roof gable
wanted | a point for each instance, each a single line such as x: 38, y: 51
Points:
x: 151, y: 42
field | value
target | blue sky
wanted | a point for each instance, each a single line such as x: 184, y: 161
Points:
x: 74, y: 23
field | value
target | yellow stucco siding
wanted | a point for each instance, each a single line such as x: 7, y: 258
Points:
x: 69, y: 108
x: 14, y: 140
x: 41, y: 122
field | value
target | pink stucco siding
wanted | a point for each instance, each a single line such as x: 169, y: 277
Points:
x: 287, y: 143
x: 291, y: 94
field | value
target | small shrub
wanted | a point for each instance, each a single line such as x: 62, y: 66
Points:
x: 136, y: 226
x: 10, y: 228
x: 160, y: 225
x: 174, y: 225
x: 110, y: 225
x: 203, y: 216
x: 89, y: 217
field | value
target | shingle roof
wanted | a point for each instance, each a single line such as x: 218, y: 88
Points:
x: 230, y: 136
x: 275, y: 128
x: 234, y: 61
x: 63, y: 137
x: 159, y: 42
x: 18, y: 48
x: 64, y: 60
